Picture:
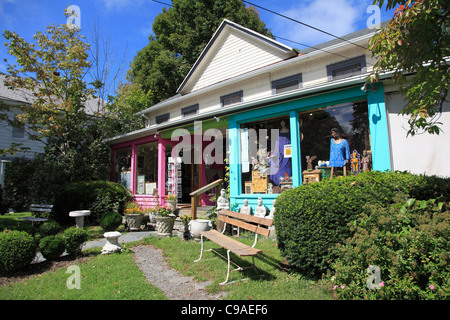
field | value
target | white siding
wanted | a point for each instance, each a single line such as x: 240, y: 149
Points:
x: 422, y: 153
x: 237, y: 54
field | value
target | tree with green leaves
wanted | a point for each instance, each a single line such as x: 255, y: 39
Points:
x: 415, y: 48
x: 180, y: 35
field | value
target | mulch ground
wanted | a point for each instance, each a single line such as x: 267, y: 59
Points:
x: 36, y: 269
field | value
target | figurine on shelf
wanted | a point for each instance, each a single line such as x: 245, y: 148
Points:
x: 356, y: 162
x: 365, y: 161
x: 309, y: 161
x: 339, y: 152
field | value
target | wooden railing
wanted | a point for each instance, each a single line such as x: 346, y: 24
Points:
x: 216, y: 184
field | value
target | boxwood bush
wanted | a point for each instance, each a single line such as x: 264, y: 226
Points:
x: 408, y: 241
x: 17, y: 250
x: 100, y: 197
x: 52, y: 247
x: 74, y: 238
x: 313, y: 218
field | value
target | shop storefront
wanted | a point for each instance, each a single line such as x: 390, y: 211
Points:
x: 282, y: 146
x: 174, y: 161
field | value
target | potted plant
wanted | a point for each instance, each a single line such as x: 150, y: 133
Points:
x: 171, y: 201
x: 184, y: 227
x: 164, y: 221
x: 133, y: 216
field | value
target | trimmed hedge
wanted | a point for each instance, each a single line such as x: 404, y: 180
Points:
x: 52, y: 247
x: 100, y: 197
x: 17, y: 250
x: 313, y: 218
x: 74, y: 238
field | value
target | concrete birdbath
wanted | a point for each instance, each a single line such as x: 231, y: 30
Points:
x: 112, y: 244
x: 79, y: 216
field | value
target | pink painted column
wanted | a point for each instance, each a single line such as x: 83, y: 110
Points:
x: 133, y: 168
x: 161, y: 170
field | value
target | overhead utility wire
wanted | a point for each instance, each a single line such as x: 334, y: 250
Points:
x: 336, y: 54
x: 305, y: 24
x: 302, y: 44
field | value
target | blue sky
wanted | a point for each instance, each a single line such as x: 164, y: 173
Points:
x: 129, y: 22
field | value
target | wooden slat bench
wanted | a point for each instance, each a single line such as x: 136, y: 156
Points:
x: 244, y: 221
x: 40, y: 208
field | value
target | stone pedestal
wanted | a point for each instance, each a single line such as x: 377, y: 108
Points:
x: 112, y: 242
x: 79, y: 217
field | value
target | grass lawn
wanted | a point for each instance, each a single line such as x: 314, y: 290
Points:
x: 271, y: 283
x: 110, y: 277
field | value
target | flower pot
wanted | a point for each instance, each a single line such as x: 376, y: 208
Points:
x: 164, y: 225
x: 172, y: 204
x: 134, y: 221
x: 195, y: 226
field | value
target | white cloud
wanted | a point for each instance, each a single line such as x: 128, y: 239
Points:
x: 338, y: 17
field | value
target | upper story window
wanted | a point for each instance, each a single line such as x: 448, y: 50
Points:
x: 162, y: 118
x: 18, y: 130
x: 231, y: 98
x: 189, y: 111
x: 287, y: 84
x: 346, y: 68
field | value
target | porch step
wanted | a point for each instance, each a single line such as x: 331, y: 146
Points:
x: 201, y: 210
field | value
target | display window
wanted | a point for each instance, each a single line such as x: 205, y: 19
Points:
x: 266, y: 156
x: 335, y: 140
x: 122, y: 167
x: 147, y: 168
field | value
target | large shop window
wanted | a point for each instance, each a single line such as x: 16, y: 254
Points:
x: 147, y: 168
x: 318, y: 150
x: 122, y: 167
x: 266, y: 156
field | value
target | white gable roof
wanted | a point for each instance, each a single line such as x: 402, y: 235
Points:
x: 232, y: 51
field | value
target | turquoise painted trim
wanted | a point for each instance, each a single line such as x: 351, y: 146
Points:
x: 381, y: 155
x: 234, y: 144
x: 295, y: 147
x: 378, y: 133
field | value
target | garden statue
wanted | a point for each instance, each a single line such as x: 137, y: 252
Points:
x: 246, y: 209
x: 272, y: 211
x: 260, y: 210
x: 222, y: 201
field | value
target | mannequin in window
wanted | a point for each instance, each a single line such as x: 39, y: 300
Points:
x: 339, y: 152
x: 281, y: 166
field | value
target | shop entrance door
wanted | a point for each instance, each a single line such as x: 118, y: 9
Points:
x: 191, y: 179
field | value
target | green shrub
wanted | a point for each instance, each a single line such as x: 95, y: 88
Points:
x: 409, y: 242
x: 100, y: 197
x: 52, y: 247
x: 17, y: 250
x: 49, y: 228
x: 111, y: 221
x: 311, y: 219
x: 74, y: 238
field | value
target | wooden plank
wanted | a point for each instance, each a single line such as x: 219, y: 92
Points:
x: 242, y: 224
x: 234, y: 246
x: 249, y: 218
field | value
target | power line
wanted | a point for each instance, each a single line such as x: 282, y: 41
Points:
x: 336, y: 54
x: 304, y: 24
x: 302, y: 44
